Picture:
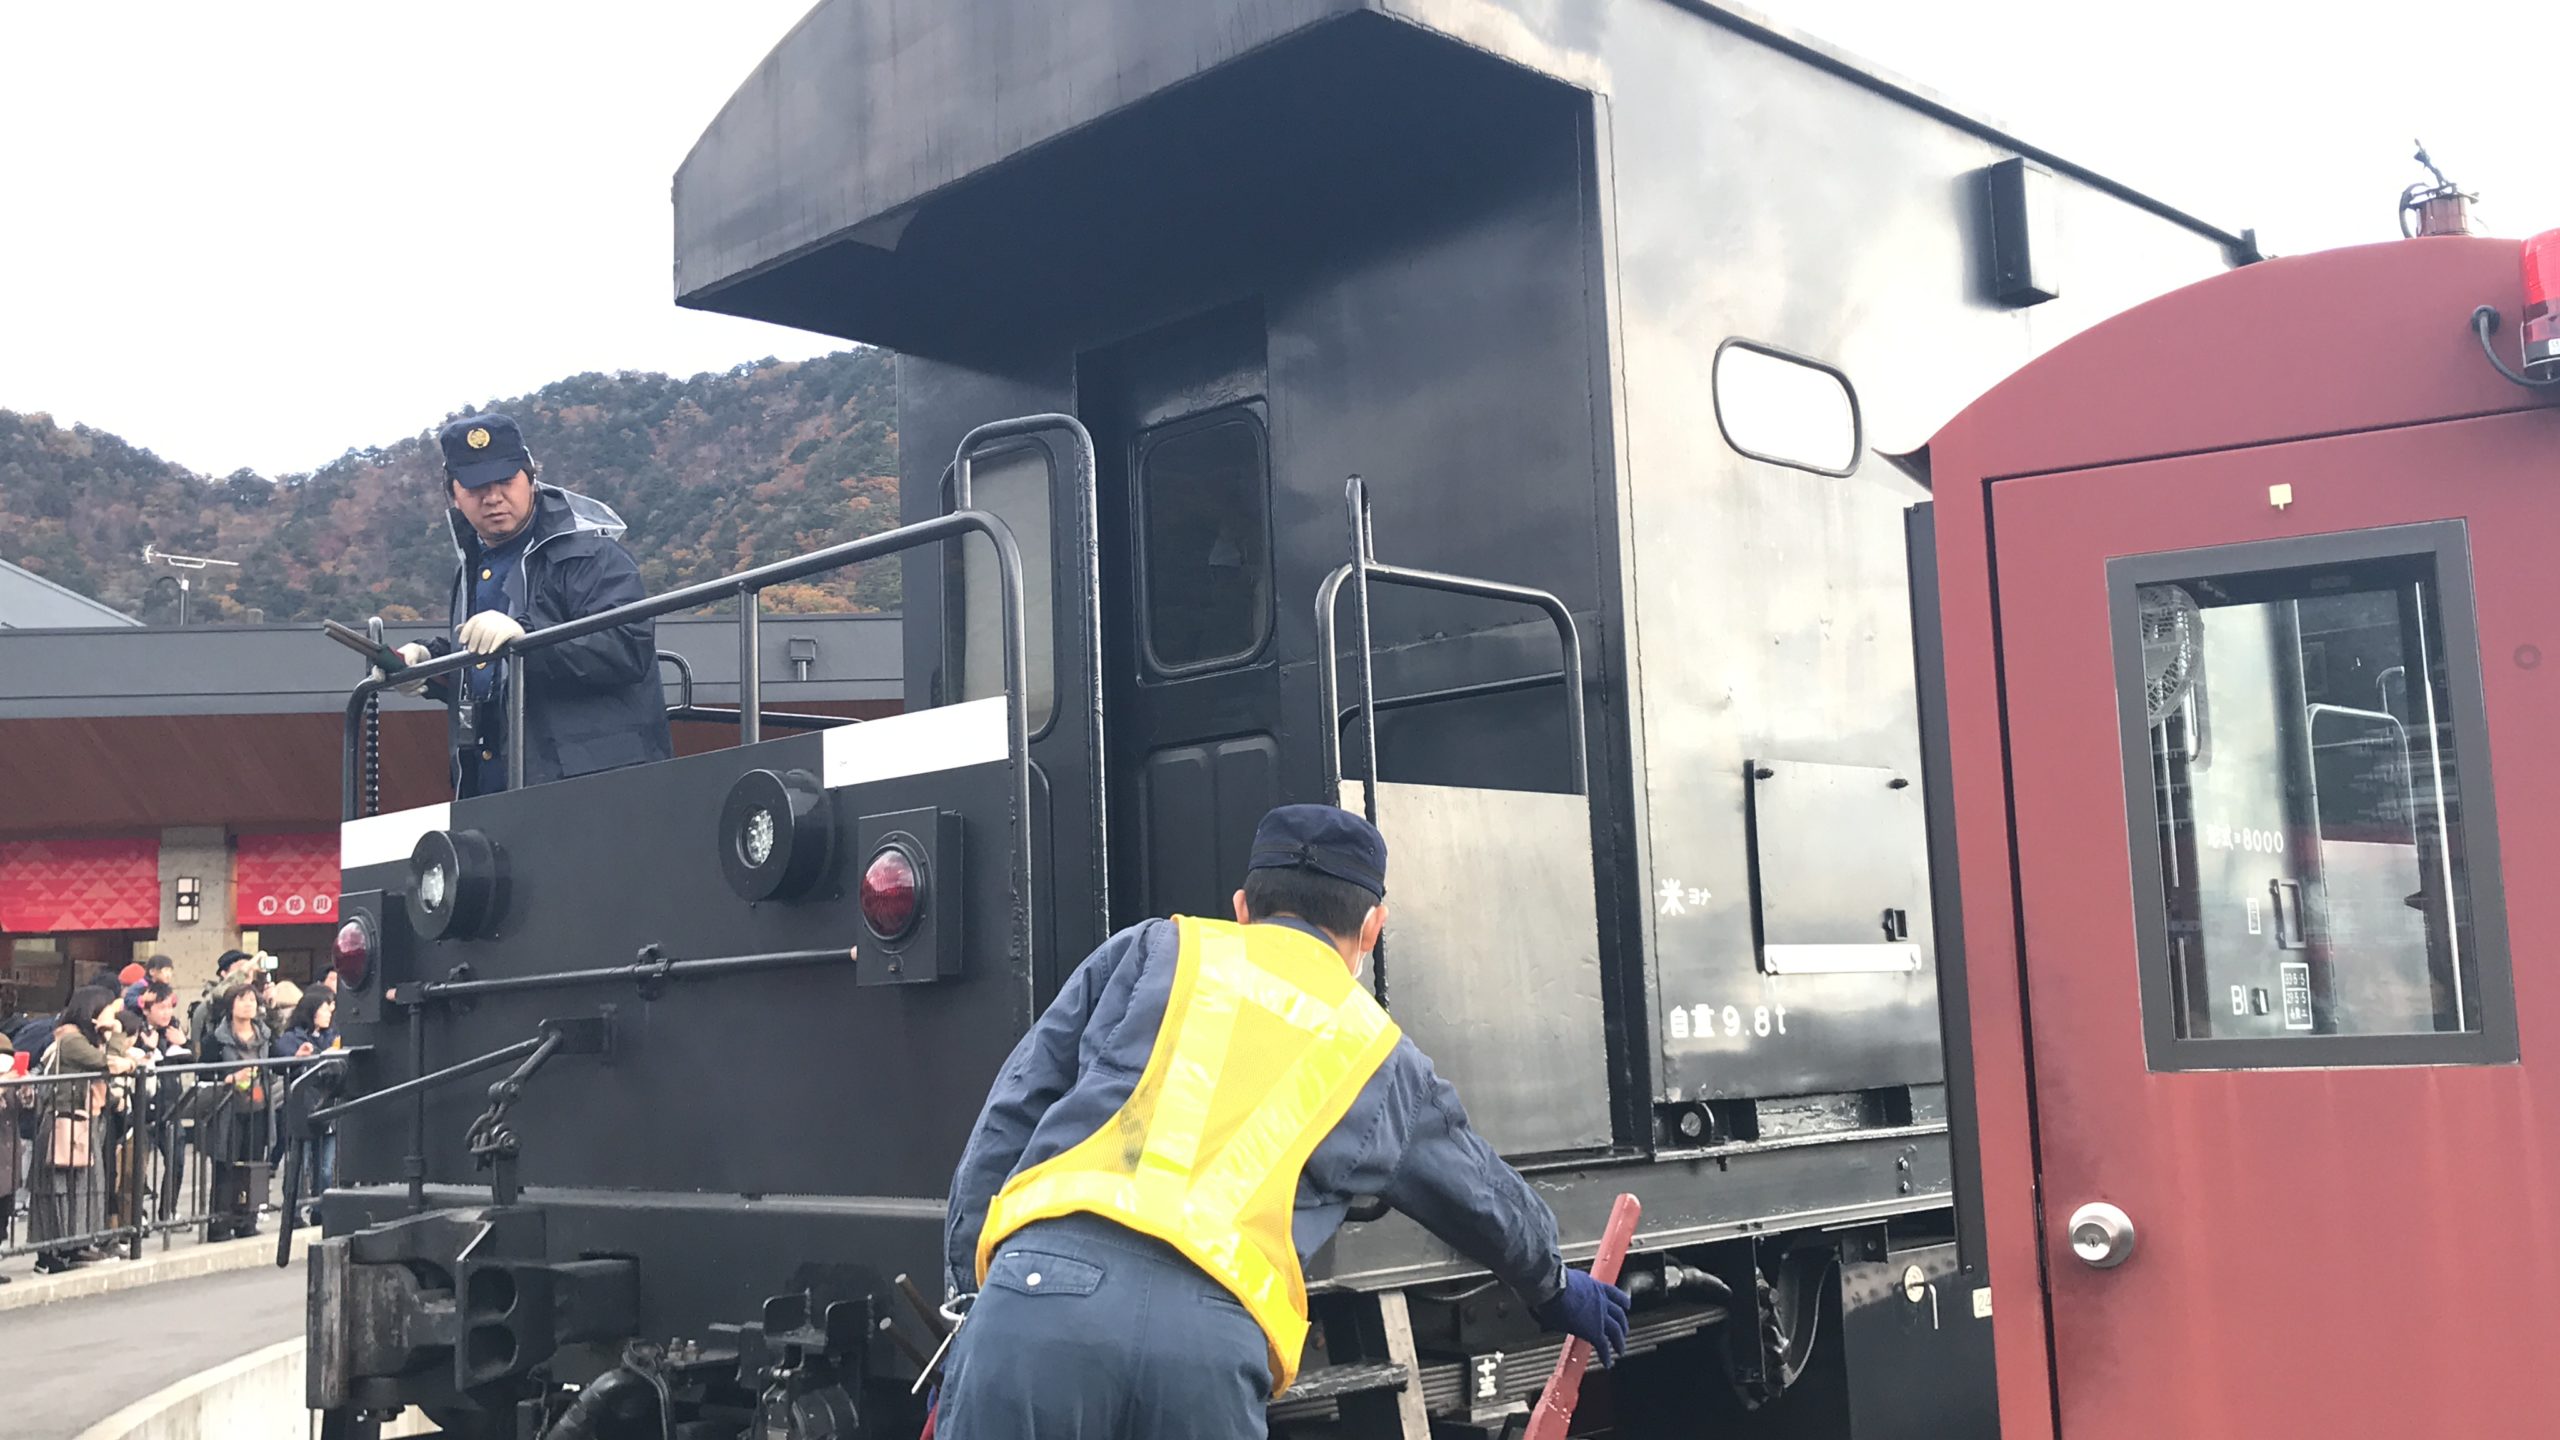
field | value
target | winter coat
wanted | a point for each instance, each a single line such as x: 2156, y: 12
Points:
x: 590, y: 704
x: 15, y: 1101
x: 293, y: 1040
x: 239, y: 1129
x: 323, y: 1084
x: 76, y: 1054
x: 201, y: 1020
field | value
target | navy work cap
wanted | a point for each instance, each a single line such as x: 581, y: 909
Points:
x: 1325, y: 839
x: 483, y: 450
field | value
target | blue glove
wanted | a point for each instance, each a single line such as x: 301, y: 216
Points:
x: 1588, y: 1309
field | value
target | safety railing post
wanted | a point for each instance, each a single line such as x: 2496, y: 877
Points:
x: 514, y: 739
x: 1356, y: 501
x: 136, y: 1125
x: 750, y: 665
x: 1087, y: 570
x: 1362, y: 571
x: 372, y: 782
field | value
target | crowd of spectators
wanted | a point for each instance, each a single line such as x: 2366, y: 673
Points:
x: 119, y: 1059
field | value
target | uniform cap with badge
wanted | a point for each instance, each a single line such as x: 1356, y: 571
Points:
x: 483, y: 450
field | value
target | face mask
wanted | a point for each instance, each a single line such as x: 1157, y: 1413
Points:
x: 1360, y: 965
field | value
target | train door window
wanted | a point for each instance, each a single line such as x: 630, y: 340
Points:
x: 1203, y: 495
x: 1015, y: 486
x: 2307, y: 776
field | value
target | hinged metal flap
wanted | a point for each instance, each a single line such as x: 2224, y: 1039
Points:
x: 1839, y: 867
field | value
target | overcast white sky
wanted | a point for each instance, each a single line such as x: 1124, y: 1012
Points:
x: 259, y: 233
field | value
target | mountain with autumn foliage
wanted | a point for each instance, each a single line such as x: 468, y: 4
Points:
x: 713, y: 474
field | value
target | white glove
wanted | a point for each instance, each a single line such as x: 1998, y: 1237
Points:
x: 413, y: 654
x: 483, y: 633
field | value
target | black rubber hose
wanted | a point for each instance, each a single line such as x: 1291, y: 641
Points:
x: 1674, y: 1281
x: 611, y: 1405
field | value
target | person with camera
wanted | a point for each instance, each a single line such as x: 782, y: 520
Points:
x: 150, y: 1021
x: 232, y: 967
x: 235, y: 1135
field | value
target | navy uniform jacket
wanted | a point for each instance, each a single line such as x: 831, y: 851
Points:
x: 1405, y: 1139
x: 593, y: 703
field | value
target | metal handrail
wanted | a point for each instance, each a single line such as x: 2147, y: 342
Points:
x: 1476, y: 690
x: 779, y: 719
x: 1365, y: 568
x: 685, y: 709
x: 1020, y: 427
x: 190, y: 1067
x: 419, y: 1084
x: 297, y: 1134
x: 1089, y: 620
x: 647, y: 971
x: 834, y: 557
x: 942, y: 529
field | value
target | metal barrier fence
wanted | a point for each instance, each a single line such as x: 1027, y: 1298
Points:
x: 94, y: 1163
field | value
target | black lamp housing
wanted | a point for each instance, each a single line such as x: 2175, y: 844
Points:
x: 776, y: 834
x: 457, y: 885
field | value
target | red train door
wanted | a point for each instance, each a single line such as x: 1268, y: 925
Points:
x: 2280, y: 724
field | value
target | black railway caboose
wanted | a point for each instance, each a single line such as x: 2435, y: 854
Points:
x: 1616, y: 311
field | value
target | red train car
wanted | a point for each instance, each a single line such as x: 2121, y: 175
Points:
x: 2251, y: 616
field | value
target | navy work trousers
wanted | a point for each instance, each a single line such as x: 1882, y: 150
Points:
x: 1086, y: 1330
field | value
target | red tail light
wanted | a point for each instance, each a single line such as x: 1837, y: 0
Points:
x: 353, y: 954
x: 2541, y: 337
x: 892, y: 893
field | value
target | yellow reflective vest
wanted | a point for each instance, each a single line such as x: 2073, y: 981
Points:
x: 1267, y: 1040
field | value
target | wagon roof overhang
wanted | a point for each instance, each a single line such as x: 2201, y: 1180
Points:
x: 869, y: 107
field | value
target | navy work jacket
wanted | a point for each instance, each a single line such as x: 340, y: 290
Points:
x: 594, y: 703
x: 1405, y: 1139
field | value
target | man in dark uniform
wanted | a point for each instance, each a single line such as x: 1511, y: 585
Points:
x: 1188, y: 1121
x: 531, y: 556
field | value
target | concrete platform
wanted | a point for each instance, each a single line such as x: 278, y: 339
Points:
x: 69, y: 1364
x: 256, y: 1397
x: 180, y: 1262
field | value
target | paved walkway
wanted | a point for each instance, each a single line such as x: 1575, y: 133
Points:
x: 157, y: 1266
x: 72, y: 1363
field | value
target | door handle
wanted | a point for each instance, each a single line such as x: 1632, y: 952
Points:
x: 2290, y: 933
x: 2101, y: 1235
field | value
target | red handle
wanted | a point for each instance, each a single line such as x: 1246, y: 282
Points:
x: 1564, y: 1387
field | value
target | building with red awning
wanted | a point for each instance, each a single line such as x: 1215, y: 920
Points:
x: 176, y: 791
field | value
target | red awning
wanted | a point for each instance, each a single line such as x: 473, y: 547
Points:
x: 49, y: 886
x: 285, y: 879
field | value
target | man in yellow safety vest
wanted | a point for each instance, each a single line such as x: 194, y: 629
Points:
x: 1188, y: 1121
